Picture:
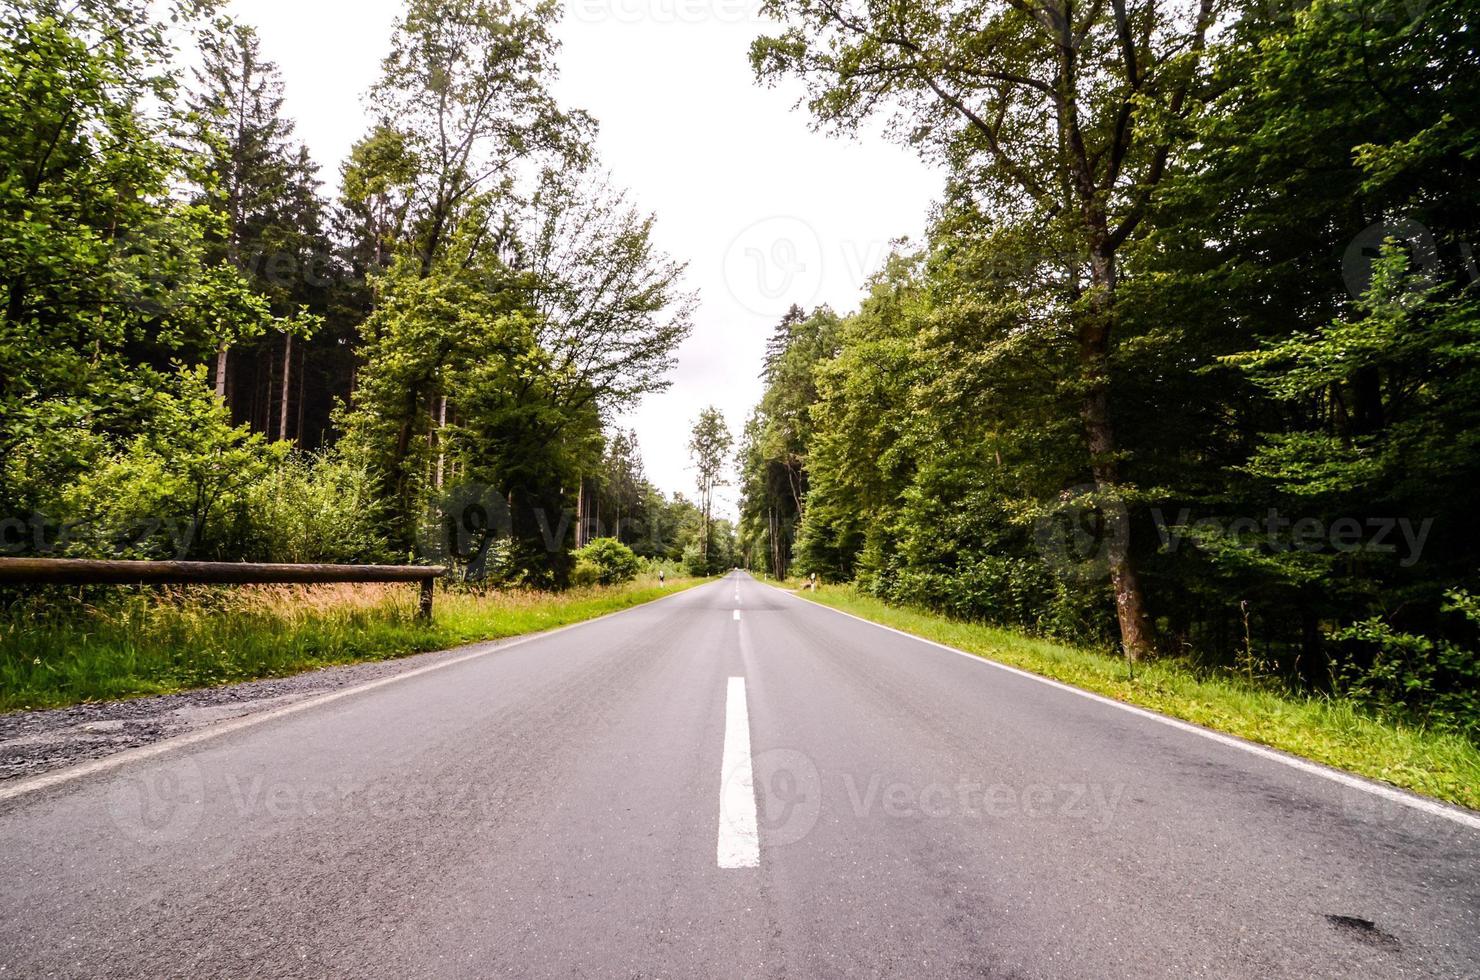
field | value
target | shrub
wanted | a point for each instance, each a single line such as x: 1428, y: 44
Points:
x: 315, y: 508
x: 694, y: 561
x: 1410, y: 677
x: 667, y: 566
x: 178, y: 490
x: 614, y: 562
x: 585, y: 575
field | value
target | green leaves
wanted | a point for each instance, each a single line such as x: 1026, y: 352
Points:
x: 172, y: 492
x: 613, y: 562
x: 106, y: 277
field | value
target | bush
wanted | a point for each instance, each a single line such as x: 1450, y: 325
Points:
x: 1416, y: 678
x: 194, y: 486
x: 613, y: 562
x: 694, y: 561
x: 665, y: 566
x: 177, y: 491
x: 585, y: 575
x: 315, y: 508
x: 1012, y: 592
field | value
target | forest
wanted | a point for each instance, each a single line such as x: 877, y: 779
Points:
x: 1188, y: 364
x: 215, y: 351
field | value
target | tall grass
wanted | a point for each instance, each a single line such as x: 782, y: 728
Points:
x: 63, y: 648
x: 1329, y: 730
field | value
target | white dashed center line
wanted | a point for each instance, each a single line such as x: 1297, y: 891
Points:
x: 739, y: 838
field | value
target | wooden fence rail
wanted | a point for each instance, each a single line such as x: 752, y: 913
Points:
x: 81, y: 571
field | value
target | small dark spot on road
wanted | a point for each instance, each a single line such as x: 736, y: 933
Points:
x: 1363, y: 930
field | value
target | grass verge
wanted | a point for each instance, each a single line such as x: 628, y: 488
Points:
x: 139, y: 643
x: 1331, y: 731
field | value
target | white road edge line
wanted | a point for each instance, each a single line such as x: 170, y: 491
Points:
x: 62, y: 776
x: 739, y: 838
x: 1432, y: 807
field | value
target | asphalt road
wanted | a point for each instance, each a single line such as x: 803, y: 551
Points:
x: 677, y: 792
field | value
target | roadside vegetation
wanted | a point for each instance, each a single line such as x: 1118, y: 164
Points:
x: 57, y: 648
x: 1335, y: 731
x: 1187, y: 363
x: 216, y: 351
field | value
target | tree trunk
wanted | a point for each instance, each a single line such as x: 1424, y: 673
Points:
x: 287, y: 382
x: 441, y: 443
x: 581, y: 514
x: 1094, y: 352
x: 794, y: 483
x: 778, y: 547
x: 704, y: 533
x: 221, y: 370
x: 303, y: 371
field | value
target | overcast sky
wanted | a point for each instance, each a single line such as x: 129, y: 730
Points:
x: 765, y: 212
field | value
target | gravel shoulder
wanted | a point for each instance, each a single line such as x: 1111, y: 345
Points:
x: 35, y: 742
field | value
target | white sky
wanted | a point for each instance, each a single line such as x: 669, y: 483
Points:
x: 765, y: 212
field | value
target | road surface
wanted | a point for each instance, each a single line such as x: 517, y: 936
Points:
x: 730, y: 782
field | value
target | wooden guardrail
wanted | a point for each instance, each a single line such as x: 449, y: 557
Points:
x: 82, y: 571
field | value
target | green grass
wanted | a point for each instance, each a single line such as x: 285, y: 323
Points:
x: 1327, y: 730
x: 138, y: 643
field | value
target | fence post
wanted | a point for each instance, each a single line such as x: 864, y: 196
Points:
x: 428, y: 591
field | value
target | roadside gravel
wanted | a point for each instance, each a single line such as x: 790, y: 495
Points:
x: 34, y: 742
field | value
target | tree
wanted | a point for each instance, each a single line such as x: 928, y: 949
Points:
x: 430, y: 334
x: 377, y: 191
x: 466, y: 88
x: 614, y: 310
x: 266, y: 190
x: 777, y: 440
x: 709, y: 449
x: 464, y: 104
x: 1265, y: 379
x: 1054, y: 113
x: 107, y: 277
x: 623, y: 482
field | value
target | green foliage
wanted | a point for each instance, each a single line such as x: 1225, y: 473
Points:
x: 317, y: 508
x: 1262, y: 328
x: 1409, y: 677
x: 481, y: 308
x: 179, y: 490
x: 194, y: 486
x: 107, y: 280
x: 612, y: 561
x: 695, y: 562
x: 710, y: 443
x: 776, y: 441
